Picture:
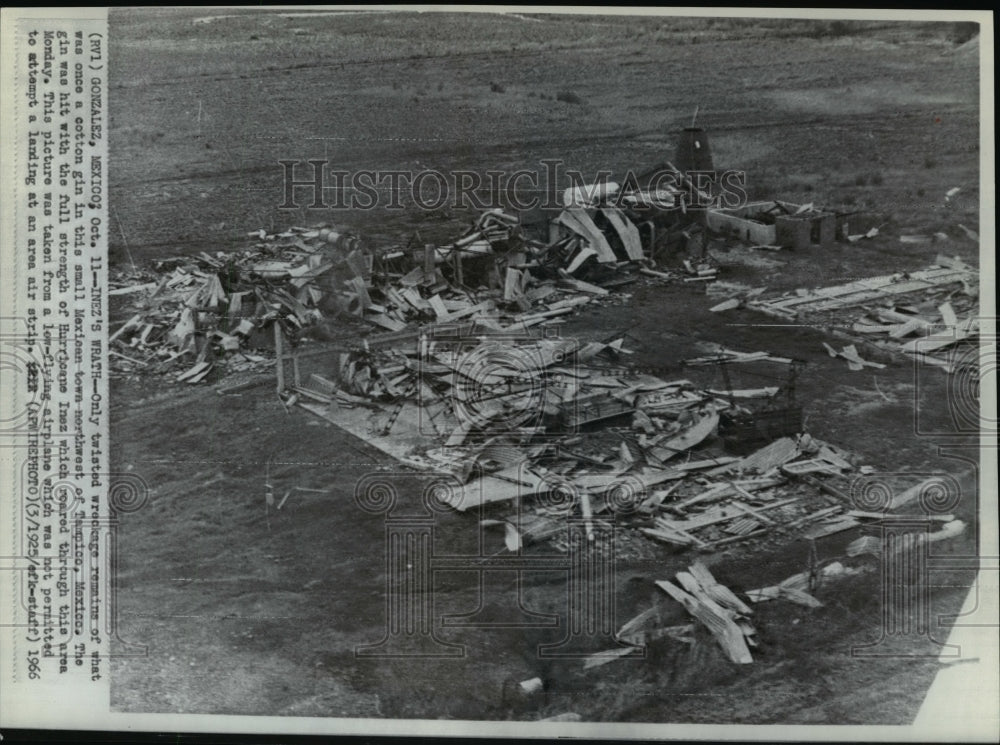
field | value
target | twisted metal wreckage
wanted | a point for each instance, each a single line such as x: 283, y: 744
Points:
x: 468, y: 379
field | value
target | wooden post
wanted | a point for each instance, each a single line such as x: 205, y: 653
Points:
x: 553, y: 231
x: 295, y: 367
x: 279, y: 357
x: 458, y: 267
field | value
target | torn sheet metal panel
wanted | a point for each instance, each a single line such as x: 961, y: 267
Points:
x: 627, y: 232
x: 672, y: 446
x: 577, y: 220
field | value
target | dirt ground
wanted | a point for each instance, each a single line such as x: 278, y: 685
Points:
x: 246, y: 612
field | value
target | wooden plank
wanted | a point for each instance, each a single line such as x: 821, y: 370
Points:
x: 386, y: 322
x: 730, y: 304
x: 718, y: 621
x: 842, y: 523
x: 750, y: 510
x: 133, y: 360
x: 814, y: 465
x: 824, y: 487
x: 577, y: 220
x: 627, y: 232
x: 653, y: 273
x: 717, y: 591
x: 579, y: 284
x: 863, y: 515
x: 696, y: 465
x: 608, y: 655
x: 937, y: 341
x: 674, y: 535
x: 437, y: 305
x: 722, y: 515
x: 487, y: 306
x: 855, y: 293
x: 196, y: 372
x: 735, y: 539
x: 314, y: 395
x: 793, y: 594
x: 908, y: 327
x: 718, y: 491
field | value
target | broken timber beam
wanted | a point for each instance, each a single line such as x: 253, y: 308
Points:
x: 716, y: 619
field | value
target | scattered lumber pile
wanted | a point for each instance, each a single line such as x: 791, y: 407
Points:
x: 944, y: 273
x: 717, y: 608
x: 854, y: 360
x: 924, y: 315
x: 710, y: 603
x: 203, y: 309
x: 728, y: 618
x: 797, y: 588
x: 555, y: 428
x: 768, y: 491
x: 197, y: 311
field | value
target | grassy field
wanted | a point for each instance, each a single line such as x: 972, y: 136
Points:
x: 245, y: 613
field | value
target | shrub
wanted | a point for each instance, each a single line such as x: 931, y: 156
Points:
x: 839, y: 28
x: 964, y: 31
x: 568, y: 97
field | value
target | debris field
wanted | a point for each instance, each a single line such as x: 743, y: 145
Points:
x: 462, y: 373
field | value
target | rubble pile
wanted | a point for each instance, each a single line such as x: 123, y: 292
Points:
x: 924, y: 314
x: 204, y: 309
x: 556, y: 427
x: 460, y: 375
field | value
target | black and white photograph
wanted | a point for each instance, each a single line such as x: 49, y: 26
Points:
x: 536, y: 371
